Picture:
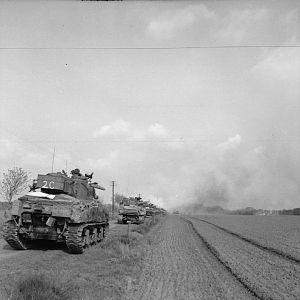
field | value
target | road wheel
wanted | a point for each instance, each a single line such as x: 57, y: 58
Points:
x: 93, y: 236
x: 99, y: 234
x: 105, y: 230
x: 86, y: 238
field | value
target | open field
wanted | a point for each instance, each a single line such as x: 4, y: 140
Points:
x: 268, y: 274
x: 280, y: 233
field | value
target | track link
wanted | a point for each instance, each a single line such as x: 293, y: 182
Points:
x: 12, y: 237
x: 74, y: 239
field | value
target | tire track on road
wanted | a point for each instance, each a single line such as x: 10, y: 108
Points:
x: 253, y: 242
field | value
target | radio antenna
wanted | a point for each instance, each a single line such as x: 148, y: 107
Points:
x: 53, y: 158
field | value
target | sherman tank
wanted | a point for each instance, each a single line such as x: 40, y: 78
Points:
x: 149, y: 211
x: 132, y: 213
x: 132, y: 210
x: 59, y: 208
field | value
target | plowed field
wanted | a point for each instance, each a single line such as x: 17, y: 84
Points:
x: 278, y: 232
x: 179, y: 265
x: 267, y: 272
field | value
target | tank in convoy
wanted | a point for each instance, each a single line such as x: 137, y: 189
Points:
x: 132, y: 210
x: 60, y: 208
x: 152, y: 209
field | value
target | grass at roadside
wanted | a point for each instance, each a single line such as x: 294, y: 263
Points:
x: 2, y: 220
x: 105, y: 271
x: 146, y: 226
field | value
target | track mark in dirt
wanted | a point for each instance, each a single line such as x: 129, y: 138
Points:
x: 178, y: 265
x: 253, y: 242
x: 265, y: 273
x: 216, y: 254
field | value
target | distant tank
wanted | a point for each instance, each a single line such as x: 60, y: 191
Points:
x: 131, y: 210
x: 66, y: 209
x: 149, y: 211
x: 131, y: 213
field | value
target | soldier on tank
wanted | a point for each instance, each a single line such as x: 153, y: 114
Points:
x: 33, y: 187
x: 89, y: 176
x: 76, y: 173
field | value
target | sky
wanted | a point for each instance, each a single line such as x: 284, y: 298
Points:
x: 118, y: 89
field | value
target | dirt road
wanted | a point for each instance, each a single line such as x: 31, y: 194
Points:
x: 178, y: 265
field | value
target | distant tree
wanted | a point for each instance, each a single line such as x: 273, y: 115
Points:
x: 14, y: 182
x: 119, y: 198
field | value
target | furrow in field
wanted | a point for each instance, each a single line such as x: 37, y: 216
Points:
x: 264, y: 273
x: 254, y: 242
x: 280, y: 233
x: 217, y: 255
x: 178, y: 265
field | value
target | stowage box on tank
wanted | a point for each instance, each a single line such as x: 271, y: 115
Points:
x: 66, y: 209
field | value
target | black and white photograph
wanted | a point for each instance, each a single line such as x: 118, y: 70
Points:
x: 149, y: 150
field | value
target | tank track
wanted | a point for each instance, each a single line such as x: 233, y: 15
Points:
x: 74, y: 239
x: 75, y: 236
x: 12, y: 237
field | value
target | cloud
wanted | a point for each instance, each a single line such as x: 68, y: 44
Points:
x: 155, y: 165
x: 237, y: 175
x: 225, y: 180
x: 168, y: 24
x: 104, y: 163
x: 7, y: 148
x: 232, y: 174
x: 128, y: 131
x: 230, y: 144
x: 17, y: 152
x: 158, y: 130
x: 259, y: 150
x: 242, y: 25
x: 119, y: 127
x: 279, y: 65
